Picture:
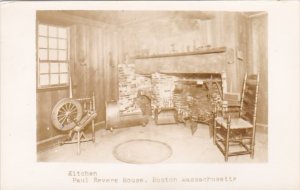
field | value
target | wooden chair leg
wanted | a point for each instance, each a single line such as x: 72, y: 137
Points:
x: 93, y: 131
x: 227, y: 144
x: 227, y: 140
x: 252, y: 144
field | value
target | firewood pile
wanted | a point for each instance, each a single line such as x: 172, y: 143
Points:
x: 196, y: 102
x: 214, y: 96
x: 201, y: 109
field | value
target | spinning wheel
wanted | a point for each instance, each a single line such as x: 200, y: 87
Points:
x: 66, y: 113
x: 74, y: 115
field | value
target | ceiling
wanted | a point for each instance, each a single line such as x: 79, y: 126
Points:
x: 129, y: 17
x: 122, y: 18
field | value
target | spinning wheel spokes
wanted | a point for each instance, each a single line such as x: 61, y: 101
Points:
x: 65, y: 113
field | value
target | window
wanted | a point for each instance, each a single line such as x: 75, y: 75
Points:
x: 53, y: 56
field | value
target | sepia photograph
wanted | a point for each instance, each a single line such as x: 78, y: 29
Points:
x: 149, y: 95
x: 152, y: 86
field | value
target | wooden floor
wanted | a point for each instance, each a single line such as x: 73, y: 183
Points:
x: 186, y: 148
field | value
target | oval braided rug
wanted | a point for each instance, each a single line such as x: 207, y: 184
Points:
x: 142, y: 151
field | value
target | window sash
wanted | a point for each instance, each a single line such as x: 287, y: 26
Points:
x: 53, y: 62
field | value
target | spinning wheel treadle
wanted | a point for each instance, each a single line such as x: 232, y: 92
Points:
x: 66, y: 113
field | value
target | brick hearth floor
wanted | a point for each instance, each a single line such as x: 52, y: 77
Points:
x: 187, y: 148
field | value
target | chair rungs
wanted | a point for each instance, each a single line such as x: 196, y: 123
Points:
x: 238, y: 142
x: 239, y: 153
x: 245, y: 146
x: 220, y: 148
x: 221, y: 141
x: 220, y: 137
x: 221, y: 145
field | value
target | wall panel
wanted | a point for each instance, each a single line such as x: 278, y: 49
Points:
x: 94, y: 59
x: 258, y: 62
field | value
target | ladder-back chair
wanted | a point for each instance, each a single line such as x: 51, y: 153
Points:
x: 236, y: 135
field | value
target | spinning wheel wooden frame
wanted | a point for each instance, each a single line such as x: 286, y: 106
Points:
x: 74, y: 115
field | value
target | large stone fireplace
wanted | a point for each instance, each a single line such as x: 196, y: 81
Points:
x: 191, y: 83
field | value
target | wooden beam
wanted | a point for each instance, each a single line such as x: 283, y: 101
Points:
x: 199, y: 52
